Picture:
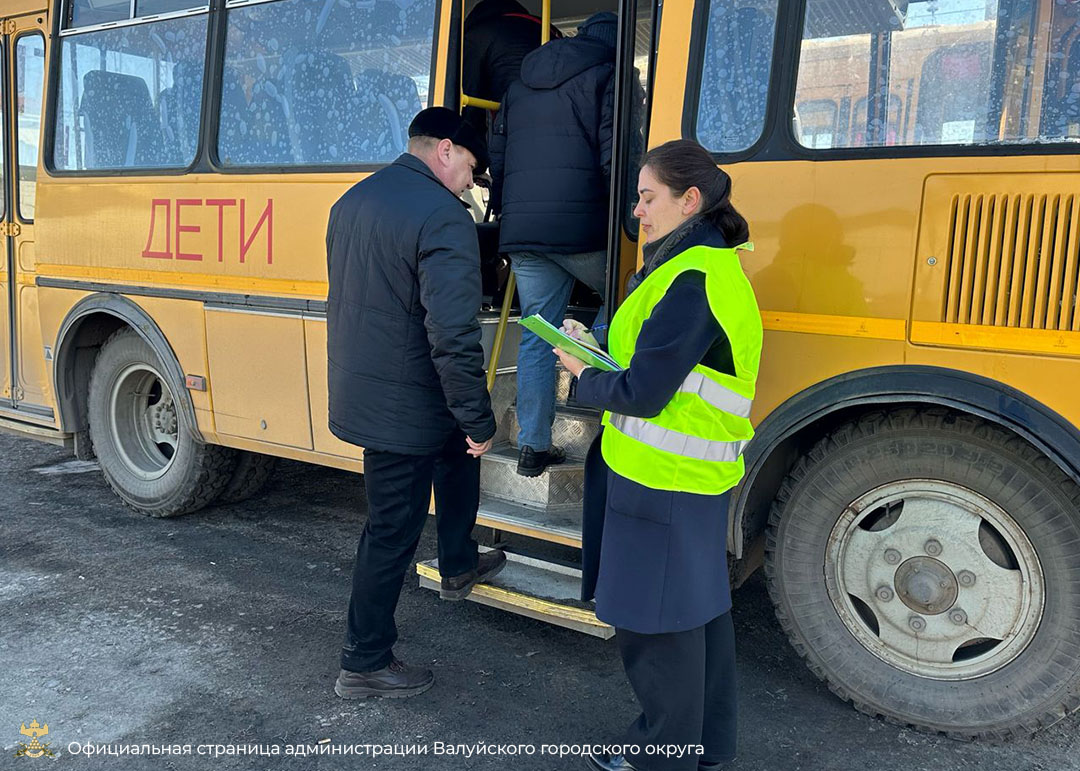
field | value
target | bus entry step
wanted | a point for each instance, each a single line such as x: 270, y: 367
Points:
x: 534, y: 588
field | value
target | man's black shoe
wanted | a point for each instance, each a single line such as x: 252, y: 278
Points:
x: 604, y: 762
x: 488, y: 565
x: 531, y: 463
x: 396, y: 681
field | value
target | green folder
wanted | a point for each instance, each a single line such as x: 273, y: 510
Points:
x: 589, y: 354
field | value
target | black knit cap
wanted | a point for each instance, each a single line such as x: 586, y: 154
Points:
x: 443, y: 123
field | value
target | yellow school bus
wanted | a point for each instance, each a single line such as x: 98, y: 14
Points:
x: 910, y: 173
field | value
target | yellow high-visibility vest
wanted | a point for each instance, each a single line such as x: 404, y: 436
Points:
x: 695, y: 444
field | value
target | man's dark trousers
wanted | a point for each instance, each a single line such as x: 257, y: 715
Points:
x: 399, y: 493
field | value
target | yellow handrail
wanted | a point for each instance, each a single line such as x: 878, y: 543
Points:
x: 511, y: 283
x: 475, y: 101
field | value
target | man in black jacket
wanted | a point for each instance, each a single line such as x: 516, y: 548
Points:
x: 551, y: 170
x: 498, y: 35
x: 406, y: 382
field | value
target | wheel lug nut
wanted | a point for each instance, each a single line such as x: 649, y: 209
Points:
x: 933, y: 547
x: 884, y: 593
x: 966, y: 578
x: 892, y: 556
x: 958, y: 616
x: 917, y: 623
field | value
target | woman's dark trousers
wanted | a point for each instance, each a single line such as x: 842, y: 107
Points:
x: 399, y: 495
x: 685, y: 683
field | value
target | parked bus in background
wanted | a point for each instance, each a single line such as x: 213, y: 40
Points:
x: 909, y: 169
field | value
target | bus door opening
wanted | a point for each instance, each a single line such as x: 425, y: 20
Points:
x: 561, y: 18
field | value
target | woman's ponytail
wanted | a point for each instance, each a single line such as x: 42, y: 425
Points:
x: 683, y: 164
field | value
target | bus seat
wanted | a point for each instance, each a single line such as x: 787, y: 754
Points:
x: 373, y: 134
x: 255, y: 130
x: 397, y: 99
x: 179, y: 107
x: 119, y: 120
x: 323, y: 106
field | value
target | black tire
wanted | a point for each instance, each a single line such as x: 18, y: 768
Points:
x: 153, y: 477
x: 1033, y: 686
x: 251, y: 474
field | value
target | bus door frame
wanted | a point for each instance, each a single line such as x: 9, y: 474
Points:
x: 7, y: 273
x: 14, y: 228
x: 619, y: 244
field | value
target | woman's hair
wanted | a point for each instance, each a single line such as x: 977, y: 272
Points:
x: 683, y: 164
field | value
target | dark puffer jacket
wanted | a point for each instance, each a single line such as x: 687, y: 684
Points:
x: 498, y: 35
x: 551, y: 149
x: 405, y: 361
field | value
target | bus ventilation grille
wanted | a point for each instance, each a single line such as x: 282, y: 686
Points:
x: 1012, y: 261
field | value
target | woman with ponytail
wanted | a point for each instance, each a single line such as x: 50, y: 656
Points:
x: 676, y: 419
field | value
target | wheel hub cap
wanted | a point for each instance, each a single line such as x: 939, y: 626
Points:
x: 935, y: 579
x: 143, y: 420
x: 926, y: 585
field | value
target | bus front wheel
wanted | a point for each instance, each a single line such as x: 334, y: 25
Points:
x: 147, y: 452
x: 926, y: 565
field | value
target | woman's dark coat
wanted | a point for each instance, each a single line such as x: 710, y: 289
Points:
x: 656, y: 559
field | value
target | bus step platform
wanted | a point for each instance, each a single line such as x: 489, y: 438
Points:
x: 534, y: 588
x: 559, y: 485
x: 573, y: 430
x: 554, y: 524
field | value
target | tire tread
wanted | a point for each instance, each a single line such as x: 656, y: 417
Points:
x: 868, y: 425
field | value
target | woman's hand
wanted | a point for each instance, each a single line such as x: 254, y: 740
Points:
x: 573, y: 364
x: 578, y: 331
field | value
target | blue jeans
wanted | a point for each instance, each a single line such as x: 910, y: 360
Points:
x: 544, y: 283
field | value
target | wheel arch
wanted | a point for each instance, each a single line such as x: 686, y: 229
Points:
x: 803, y: 418
x: 87, y: 326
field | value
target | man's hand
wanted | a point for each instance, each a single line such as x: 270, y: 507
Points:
x: 573, y: 364
x: 476, y: 449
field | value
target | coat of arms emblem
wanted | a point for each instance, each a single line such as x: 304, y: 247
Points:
x: 35, y: 749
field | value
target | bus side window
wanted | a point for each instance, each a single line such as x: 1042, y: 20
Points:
x: 130, y: 97
x: 961, y: 73
x: 29, y: 83
x: 735, y: 75
x: 309, y: 83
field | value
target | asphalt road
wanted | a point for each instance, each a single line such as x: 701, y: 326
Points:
x: 223, y: 627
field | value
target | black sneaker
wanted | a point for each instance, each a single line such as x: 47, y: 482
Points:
x: 532, y: 463
x: 488, y: 565
x: 396, y: 681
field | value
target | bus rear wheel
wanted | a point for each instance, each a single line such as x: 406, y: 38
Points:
x: 147, y: 451
x: 926, y: 565
x: 253, y: 470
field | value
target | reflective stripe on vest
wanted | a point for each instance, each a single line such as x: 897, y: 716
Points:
x: 677, y: 443
x: 718, y: 396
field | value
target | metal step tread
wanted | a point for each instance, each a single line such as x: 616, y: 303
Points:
x: 534, y: 588
x: 507, y: 453
x: 556, y: 524
x: 573, y: 429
